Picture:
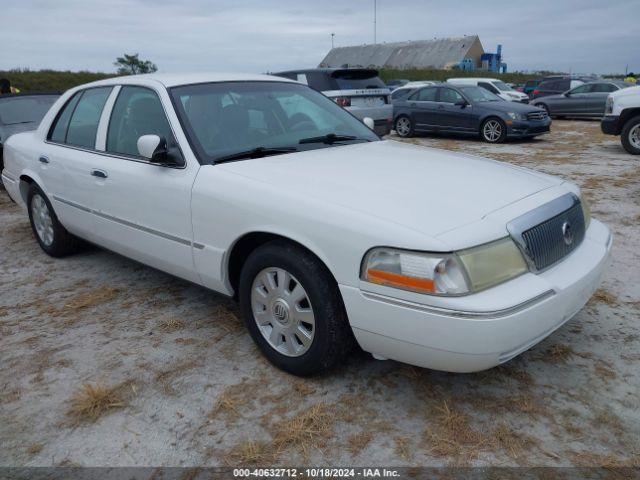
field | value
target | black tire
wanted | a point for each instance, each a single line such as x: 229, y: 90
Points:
x: 63, y: 243
x: 407, y: 131
x: 489, y: 139
x: 332, y: 340
x: 631, y: 126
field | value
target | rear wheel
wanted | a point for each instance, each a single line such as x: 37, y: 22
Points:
x: 293, y: 309
x: 52, y: 237
x: 630, y: 136
x: 544, y: 107
x: 493, y: 130
x: 404, y: 126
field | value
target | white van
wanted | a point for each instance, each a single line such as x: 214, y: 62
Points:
x: 495, y: 86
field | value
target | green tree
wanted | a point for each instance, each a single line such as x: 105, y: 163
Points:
x: 132, y: 65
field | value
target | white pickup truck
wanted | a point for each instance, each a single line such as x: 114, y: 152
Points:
x: 622, y: 117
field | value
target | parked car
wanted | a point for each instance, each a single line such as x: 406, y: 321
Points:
x: 495, y: 86
x: 587, y: 100
x: 359, y: 90
x: 554, y: 86
x: 20, y: 112
x: 530, y: 86
x: 402, y: 93
x: 622, y: 117
x: 467, y: 110
x: 264, y: 189
x: 396, y: 83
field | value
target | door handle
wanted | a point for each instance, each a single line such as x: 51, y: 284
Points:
x: 440, y: 107
x: 43, y: 159
x: 99, y: 173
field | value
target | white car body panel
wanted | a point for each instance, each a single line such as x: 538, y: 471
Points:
x: 625, y: 98
x: 337, y: 202
x: 510, y: 96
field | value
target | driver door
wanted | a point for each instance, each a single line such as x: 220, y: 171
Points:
x: 143, y: 209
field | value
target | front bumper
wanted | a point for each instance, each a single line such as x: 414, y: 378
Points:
x: 528, y: 128
x: 610, y: 124
x: 478, y: 331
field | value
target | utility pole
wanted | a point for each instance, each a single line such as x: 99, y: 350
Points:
x: 332, y: 35
x: 375, y: 15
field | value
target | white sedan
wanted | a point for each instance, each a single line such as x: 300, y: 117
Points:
x: 261, y: 188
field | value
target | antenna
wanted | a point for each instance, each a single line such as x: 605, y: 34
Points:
x: 375, y: 15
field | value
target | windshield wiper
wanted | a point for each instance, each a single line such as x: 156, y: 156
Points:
x: 330, y: 138
x: 257, y: 152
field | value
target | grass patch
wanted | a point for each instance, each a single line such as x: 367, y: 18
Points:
x: 453, y: 436
x: 93, y: 401
x: 358, y: 442
x: 558, y: 353
x: 307, y: 429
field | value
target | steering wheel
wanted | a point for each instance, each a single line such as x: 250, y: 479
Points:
x: 301, y: 121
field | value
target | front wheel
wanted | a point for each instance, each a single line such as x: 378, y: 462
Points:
x: 404, y: 127
x: 493, y: 130
x: 52, y: 237
x: 293, y: 309
x: 630, y: 136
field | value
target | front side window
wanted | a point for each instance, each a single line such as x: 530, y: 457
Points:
x: 604, y: 88
x: 448, y: 95
x: 83, y: 125
x: 477, y: 94
x: 136, y: 112
x: 488, y: 86
x: 223, y: 119
x: 581, y: 89
x: 503, y: 87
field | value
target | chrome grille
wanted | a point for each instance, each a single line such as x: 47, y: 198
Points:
x: 537, y: 115
x: 549, y: 233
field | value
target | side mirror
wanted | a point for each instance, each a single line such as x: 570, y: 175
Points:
x: 567, y: 94
x: 154, y: 148
x: 461, y: 103
x: 368, y: 121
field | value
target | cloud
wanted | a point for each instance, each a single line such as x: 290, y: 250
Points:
x: 263, y: 35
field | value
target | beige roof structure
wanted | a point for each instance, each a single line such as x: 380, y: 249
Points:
x: 441, y: 53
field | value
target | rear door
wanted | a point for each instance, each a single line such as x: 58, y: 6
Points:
x: 598, y: 98
x: 144, y: 209
x: 423, y: 105
x: 69, y: 158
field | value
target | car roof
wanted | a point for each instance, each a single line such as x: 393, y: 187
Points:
x: 175, y: 79
x: 328, y: 71
x: 475, y: 79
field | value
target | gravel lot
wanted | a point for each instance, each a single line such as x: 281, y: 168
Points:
x: 108, y: 362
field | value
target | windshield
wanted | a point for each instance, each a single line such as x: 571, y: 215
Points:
x: 479, y: 94
x: 223, y: 119
x: 503, y: 87
x: 14, y: 110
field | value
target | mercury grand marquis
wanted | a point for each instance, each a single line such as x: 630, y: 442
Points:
x: 263, y: 189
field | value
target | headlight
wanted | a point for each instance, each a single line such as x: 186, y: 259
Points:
x: 608, y: 107
x: 493, y: 263
x: 435, y: 274
x: 459, y: 273
x: 517, y: 116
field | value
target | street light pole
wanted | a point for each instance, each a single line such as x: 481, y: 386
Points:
x: 332, y: 35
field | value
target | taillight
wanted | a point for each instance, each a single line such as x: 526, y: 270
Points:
x: 343, y: 101
x: 536, y: 92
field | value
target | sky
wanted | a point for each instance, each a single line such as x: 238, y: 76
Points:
x: 579, y: 36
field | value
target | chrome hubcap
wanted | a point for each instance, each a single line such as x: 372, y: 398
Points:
x: 403, y: 127
x: 282, y: 311
x: 492, y: 130
x: 634, y: 136
x: 42, y: 219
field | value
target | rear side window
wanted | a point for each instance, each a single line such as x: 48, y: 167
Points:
x: 59, y: 131
x: 426, y: 95
x: 83, y: 125
x: 137, y: 112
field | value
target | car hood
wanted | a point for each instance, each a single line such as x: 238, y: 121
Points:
x: 507, y: 107
x: 425, y: 189
x: 624, y: 92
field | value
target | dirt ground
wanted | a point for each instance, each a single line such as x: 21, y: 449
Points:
x: 107, y: 362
